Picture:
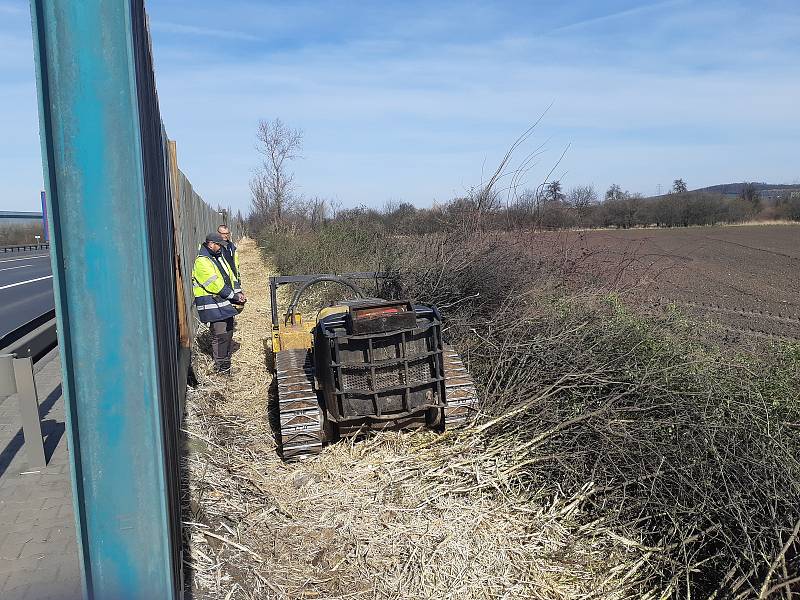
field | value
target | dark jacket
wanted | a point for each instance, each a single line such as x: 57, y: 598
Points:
x: 232, y: 258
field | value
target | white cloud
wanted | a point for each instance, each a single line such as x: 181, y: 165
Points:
x: 411, y: 102
x: 421, y: 127
x: 13, y: 9
x: 616, y: 16
x: 192, y: 30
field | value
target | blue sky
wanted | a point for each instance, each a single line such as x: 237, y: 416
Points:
x: 414, y: 100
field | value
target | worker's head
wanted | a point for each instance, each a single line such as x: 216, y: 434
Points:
x: 214, y: 242
x: 224, y: 232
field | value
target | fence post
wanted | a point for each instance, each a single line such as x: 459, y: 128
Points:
x: 28, y: 400
x: 103, y: 165
x: 7, y: 385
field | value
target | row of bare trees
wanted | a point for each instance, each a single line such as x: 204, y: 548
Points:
x: 11, y: 235
x: 494, y: 204
x: 580, y: 207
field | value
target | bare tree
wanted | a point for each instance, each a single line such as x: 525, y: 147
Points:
x: 751, y: 195
x: 485, y: 198
x: 271, y: 186
x: 614, y: 193
x: 318, y: 212
x: 581, y: 199
x: 240, y: 223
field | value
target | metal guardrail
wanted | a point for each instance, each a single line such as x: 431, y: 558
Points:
x: 32, y: 340
x: 23, y: 247
x: 19, y: 351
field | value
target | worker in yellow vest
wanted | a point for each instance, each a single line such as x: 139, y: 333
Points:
x: 216, y: 299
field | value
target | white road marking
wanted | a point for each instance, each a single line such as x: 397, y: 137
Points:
x: 10, y: 285
x: 26, y: 258
x: 12, y: 268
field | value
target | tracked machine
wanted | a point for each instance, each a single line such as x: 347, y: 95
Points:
x: 363, y: 364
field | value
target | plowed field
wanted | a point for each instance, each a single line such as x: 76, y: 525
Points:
x: 746, y: 278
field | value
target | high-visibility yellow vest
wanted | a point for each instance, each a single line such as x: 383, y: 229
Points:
x: 213, y: 287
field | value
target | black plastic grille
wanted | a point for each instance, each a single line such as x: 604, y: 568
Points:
x: 359, y: 379
x: 386, y: 374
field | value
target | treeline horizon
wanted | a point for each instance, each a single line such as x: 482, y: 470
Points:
x: 548, y: 208
x: 497, y: 204
x: 14, y: 235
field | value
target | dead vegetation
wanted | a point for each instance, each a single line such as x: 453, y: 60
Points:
x: 11, y: 235
x: 387, y: 518
x: 690, y: 448
x: 615, y: 459
x: 397, y: 516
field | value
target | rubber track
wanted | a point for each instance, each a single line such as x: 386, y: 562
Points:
x: 300, y: 416
x: 460, y: 394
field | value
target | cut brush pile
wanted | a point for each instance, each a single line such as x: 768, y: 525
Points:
x: 570, y: 486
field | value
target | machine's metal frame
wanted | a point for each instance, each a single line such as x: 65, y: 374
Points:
x: 306, y: 280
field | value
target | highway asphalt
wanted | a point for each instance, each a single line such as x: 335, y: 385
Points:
x: 26, y: 287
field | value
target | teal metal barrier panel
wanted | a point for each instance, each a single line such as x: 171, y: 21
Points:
x: 105, y: 297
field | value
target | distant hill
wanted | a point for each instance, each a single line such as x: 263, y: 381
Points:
x: 735, y: 189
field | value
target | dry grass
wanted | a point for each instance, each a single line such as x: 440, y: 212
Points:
x: 764, y: 222
x: 394, y: 516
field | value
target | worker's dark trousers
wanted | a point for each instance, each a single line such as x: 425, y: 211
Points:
x: 221, y: 338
